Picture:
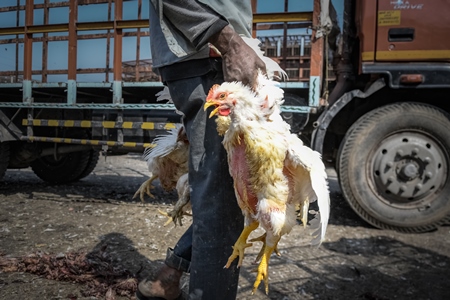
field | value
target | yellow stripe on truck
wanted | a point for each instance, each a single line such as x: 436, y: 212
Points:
x: 148, y: 125
x: 127, y: 125
x: 412, y: 54
x: 53, y: 123
x: 129, y: 144
x: 108, y: 124
x: 368, y: 56
x: 104, y: 124
x: 86, y: 124
x: 69, y: 123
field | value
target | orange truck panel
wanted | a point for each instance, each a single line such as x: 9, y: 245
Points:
x: 399, y: 30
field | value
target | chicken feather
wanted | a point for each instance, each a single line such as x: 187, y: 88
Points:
x: 300, y: 159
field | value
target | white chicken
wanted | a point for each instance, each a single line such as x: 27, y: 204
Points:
x: 168, y: 161
x: 273, y: 172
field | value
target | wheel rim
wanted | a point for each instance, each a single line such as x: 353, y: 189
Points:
x: 408, y: 169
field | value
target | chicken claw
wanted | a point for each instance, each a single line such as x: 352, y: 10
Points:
x: 241, y: 244
x: 238, y: 250
x: 174, y: 216
x: 145, y: 189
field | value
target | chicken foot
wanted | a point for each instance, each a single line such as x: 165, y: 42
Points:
x: 177, y: 213
x: 175, y: 216
x: 241, y: 244
x: 262, y: 238
x: 263, y: 267
x: 145, y: 189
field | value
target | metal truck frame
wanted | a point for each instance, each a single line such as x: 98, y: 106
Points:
x: 372, y: 103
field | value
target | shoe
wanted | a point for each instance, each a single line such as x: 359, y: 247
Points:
x: 170, y: 274
x: 139, y: 296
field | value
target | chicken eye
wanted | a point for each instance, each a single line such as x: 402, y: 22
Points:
x: 222, y: 96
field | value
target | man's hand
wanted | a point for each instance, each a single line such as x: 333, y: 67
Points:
x: 240, y: 62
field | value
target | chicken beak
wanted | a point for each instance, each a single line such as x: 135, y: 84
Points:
x: 210, y: 101
x: 213, y: 112
x: 208, y: 104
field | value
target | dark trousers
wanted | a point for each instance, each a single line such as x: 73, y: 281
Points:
x: 217, y: 219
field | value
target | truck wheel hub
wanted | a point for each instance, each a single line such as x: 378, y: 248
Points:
x: 408, y: 167
x: 409, y: 171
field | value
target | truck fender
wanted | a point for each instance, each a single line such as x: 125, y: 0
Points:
x: 325, y: 118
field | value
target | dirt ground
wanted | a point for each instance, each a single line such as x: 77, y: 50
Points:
x: 98, y: 216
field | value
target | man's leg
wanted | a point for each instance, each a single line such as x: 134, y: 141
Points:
x: 217, y: 219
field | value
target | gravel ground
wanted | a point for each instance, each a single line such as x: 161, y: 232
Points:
x: 98, y: 217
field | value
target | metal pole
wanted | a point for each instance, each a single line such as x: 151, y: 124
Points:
x: 316, y: 67
x: 45, y: 43
x: 284, y: 48
x: 108, y: 44
x: 17, y: 43
x: 28, y: 52
x: 72, y: 55
x: 118, y: 35
x: 138, y: 45
x: 254, y: 6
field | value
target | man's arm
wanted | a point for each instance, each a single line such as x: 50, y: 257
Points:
x: 200, y: 24
x: 196, y: 21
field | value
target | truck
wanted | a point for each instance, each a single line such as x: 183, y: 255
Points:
x: 367, y: 86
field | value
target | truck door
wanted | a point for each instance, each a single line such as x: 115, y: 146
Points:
x: 414, y: 30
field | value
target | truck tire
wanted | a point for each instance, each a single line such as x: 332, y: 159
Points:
x: 4, y: 158
x: 394, y: 165
x: 66, y: 168
x: 92, y: 163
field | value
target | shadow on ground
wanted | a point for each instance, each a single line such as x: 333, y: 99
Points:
x: 369, y: 268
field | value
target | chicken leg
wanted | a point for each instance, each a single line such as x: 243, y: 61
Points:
x: 241, y: 244
x: 263, y: 267
x: 262, y: 239
x: 183, y: 204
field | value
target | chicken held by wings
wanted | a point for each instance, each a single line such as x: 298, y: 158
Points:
x: 273, y: 172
